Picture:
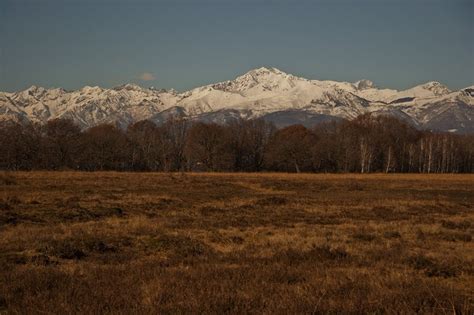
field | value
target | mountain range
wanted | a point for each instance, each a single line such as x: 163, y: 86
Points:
x: 268, y: 93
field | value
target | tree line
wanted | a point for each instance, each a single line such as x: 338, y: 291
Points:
x: 366, y: 144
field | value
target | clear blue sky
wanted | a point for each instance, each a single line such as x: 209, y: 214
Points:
x: 184, y: 44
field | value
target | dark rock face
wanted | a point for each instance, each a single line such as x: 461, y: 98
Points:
x: 294, y: 117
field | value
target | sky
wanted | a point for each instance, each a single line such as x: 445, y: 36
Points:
x: 184, y: 44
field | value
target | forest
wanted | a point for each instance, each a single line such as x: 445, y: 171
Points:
x: 366, y: 144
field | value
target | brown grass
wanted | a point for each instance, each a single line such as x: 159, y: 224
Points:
x: 236, y: 243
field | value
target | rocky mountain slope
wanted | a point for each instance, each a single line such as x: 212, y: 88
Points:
x: 264, y: 92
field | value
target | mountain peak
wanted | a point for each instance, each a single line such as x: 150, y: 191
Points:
x: 265, y: 71
x: 259, y: 92
x: 34, y: 90
x: 436, y: 87
x: 430, y: 85
x: 91, y: 89
x: 266, y: 78
x: 364, y: 84
x: 129, y: 87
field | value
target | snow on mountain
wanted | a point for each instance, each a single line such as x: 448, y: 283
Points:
x: 264, y: 92
x: 468, y: 91
x: 9, y: 110
x: 90, y: 105
x: 424, y: 91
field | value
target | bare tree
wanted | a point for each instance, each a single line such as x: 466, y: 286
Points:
x: 60, y: 144
x: 368, y: 143
x: 145, y: 149
x: 172, y: 143
x: 207, y: 146
x: 248, y: 140
x: 290, y: 149
x: 105, y: 148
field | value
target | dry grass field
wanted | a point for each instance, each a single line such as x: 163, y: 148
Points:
x: 145, y: 243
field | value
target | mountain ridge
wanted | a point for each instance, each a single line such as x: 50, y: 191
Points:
x: 259, y: 92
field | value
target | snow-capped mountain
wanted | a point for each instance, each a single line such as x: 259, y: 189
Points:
x: 88, y: 106
x: 263, y: 92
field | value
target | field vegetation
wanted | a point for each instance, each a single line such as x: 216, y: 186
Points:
x: 147, y: 243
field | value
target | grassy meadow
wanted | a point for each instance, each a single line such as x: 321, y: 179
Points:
x: 174, y: 243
